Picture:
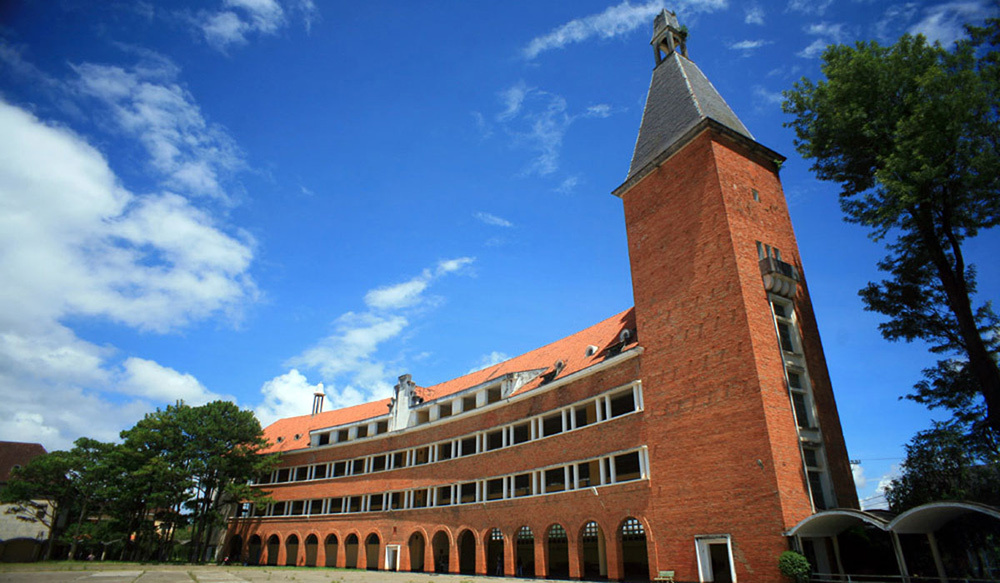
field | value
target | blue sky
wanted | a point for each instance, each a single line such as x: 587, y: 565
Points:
x: 258, y: 199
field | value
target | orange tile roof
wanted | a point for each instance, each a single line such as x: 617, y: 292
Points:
x: 571, y: 350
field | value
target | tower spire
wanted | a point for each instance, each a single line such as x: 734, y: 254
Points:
x: 668, y: 36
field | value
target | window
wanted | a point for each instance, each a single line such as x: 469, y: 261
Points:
x: 362, y: 431
x: 324, y: 439
x: 802, y: 417
x: 494, y: 440
x: 336, y: 506
x: 282, y: 476
x: 589, y: 473
x: 420, y: 498
x: 343, y: 435
x: 316, y: 507
x: 494, y: 489
x: 622, y: 403
x: 469, y: 403
x: 585, y: 414
x: 756, y: 195
x: 320, y: 472
x: 444, y: 410
x: 815, y: 473
x: 522, y: 433
x: 468, y: 446
x: 358, y: 466
x: 399, y: 459
x: 354, y: 504
x: 375, y: 502
x: 444, y: 496
x: 381, y: 427
x: 627, y: 467
x: 522, y: 485
x: 493, y: 395
x: 467, y: 493
x: 783, y: 314
x: 395, y: 501
x: 339, y: 469
x: 302, y: 473
x: 297, y: 507
x: 555, y: 480
x: 378, y: 463
x: 552, y: 424
x: 444, y: 451
x: 420, y: 455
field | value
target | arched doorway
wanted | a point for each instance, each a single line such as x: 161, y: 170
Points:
x: 593, y: 552
x: 494, y: 552
x: 442, y: 551
x: 291, y: 550
x: 372, y: 551
x: 312, y: 549
x: 235, y: 552
x: 524, y: 553
x: 635, y: 558
x: 253, y: 550
x: 417, y: 545
x: 351, y: 551
x: 467, y: 553
x: 557, y: 548
x: 330, y: 546
x: 273, y: 544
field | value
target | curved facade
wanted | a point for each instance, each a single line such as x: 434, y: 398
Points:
x: 684, y: 435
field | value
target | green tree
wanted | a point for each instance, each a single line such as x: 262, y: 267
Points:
x: 41, y: 491
x: 947, y: 462
x: 911, y: 132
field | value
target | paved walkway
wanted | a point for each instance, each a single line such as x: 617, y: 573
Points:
x: 132, y: 573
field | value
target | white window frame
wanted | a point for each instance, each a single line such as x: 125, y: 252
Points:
x: 701, y: 547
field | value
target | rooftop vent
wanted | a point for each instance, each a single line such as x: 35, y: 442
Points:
x: 591, y: 350
x: 625, y: 335
x: 318, y: 403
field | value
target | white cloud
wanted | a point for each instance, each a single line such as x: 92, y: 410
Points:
x: 536, y: 120
x: 568, y: 185
x: 767, y: 97
x: 287, y: 395
x: 492, y: 220
x: 754, y: 15
x: 828, y: 34
x: 512, y: 98
x: 240, y: 18
x: 600, y: 110
x: 75, y: 243
x: 614, y: 21
x: 809, y: 6
x: 347, y: 360
x: 858, y: 472
x: 409, y: 293
x: 488, y: 360
x: 749, y: 45
x: 161, y: 384
x: 145, y: 102
x: 945, y: 22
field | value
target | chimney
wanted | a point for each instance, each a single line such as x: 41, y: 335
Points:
x: 318, y: 403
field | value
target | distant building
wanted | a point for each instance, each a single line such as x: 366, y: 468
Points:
x: 20, y: 540
x: 683, y: 436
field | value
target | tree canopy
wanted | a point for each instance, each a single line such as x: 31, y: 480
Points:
x: 911, y: 132
x: 177, y: 468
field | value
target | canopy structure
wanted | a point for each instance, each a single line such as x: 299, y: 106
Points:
x: 926, y: 519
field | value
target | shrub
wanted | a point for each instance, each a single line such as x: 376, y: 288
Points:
x: 794, y: 566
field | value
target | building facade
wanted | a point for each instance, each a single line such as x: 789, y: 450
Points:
x: 686, y: 434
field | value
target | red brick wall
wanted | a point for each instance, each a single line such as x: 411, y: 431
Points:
x: 723, y: 443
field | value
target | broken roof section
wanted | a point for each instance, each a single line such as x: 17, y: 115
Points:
x: 577, y: 352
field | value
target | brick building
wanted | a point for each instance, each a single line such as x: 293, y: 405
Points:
x: 686, y: 434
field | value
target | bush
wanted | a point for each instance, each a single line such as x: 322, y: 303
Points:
x: 794, y: 566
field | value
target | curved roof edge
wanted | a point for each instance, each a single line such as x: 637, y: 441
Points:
x: 919, y: 520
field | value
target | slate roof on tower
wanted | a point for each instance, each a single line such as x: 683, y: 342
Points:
x: 680, y: 97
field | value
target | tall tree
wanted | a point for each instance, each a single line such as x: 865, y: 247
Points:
x: 947, y: 462
x: 911, y: 132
